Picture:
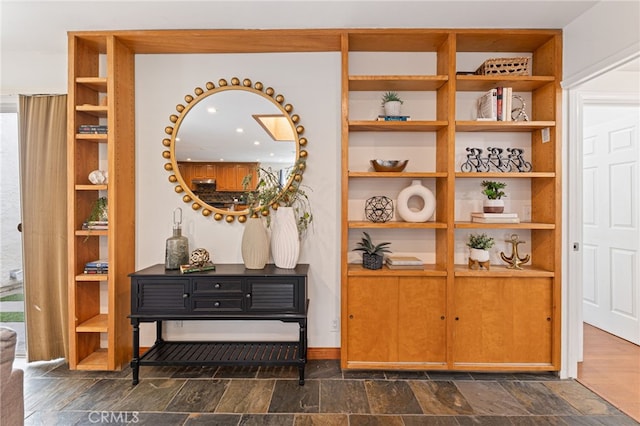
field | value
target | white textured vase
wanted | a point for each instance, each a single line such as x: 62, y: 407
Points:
x: 416, y: 189
x: 479, y: 254
x: 285, y: 242
x: 255, y: 244
x: 392, y: 108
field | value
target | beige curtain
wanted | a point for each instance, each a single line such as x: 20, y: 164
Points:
x: 42, y: 132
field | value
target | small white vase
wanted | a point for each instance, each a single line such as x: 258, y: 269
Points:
x: 479, y: 254
x: 392, y: 108
x: 493, y: 206
x: 285, y: 241
x: 255, y: 244
x: 416, y: 189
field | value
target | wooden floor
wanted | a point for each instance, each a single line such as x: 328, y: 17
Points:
x: 611, y: 368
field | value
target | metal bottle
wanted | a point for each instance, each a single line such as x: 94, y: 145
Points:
x: 177, y: 248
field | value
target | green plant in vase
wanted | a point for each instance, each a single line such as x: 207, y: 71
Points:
x: 494, y: 192
x: 479, y: 245
x: 372, y: 255
x: 391, y: 103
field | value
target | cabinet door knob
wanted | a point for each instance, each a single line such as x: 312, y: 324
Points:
x: 185, y: 295
x: 350, y: 316
x: 457, y: 318
x: 216, y: 304
x: 217, y: 285
x: 442, y: 317
x: 248, y: 295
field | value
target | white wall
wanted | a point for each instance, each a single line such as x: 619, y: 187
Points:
x: 311, y: 83
x: 602, y: 36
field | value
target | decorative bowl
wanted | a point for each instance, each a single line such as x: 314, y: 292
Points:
x: 389, y: 165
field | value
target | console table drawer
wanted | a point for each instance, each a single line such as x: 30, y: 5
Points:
x: 220, y: 304
x: 208, y: 286
x: 160, y: 296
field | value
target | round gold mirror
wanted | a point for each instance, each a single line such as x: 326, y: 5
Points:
x: 220, y: 139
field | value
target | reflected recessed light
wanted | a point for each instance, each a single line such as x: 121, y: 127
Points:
x: 239, y: 130
x: 256, y: 142
x: 222, y: 159
x: 177, y: 139
x: 271, y: 155
x: 211, y: 110
x: 188, y: 159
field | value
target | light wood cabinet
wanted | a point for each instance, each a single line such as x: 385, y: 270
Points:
x: 228, y: 176
x: 99, y: 94
x: 499, y: 319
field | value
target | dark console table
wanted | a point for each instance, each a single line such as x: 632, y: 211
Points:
x: 231, y: 292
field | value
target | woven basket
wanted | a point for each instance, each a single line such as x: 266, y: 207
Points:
x: 501, y: 66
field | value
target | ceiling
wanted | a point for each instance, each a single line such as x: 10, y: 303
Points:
x: 41, y: 26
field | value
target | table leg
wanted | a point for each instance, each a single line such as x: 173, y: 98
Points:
x: 135, y: 362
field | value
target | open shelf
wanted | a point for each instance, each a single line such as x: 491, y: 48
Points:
x: 396, y: 82
x: 360, y: 224
x: 97, y: 324
x: 396, y: 126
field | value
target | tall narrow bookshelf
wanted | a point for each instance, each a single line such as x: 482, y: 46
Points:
x: 100, y: 93
x: 447, y: 316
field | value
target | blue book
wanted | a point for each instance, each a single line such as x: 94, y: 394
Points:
x: 394, y: 118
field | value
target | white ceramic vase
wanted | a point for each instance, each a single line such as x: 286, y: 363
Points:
x: 392, y: 108
x: 479, y: 254
x: 255, y: 244
x: 416, y: 189
x: 285, y: 241
x: 493, y: 206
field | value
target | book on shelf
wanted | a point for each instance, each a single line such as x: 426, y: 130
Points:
x: 414, y: 267
x: 487, y: 105
x: 92, y: 128
x: 404, y: 261
x: 394, y: 118
x: 187, y: 269
x: 96, y: 271
x: 495, y: 220
x: 95, y: 225
x: 494, y: 215
x: 100, y: 263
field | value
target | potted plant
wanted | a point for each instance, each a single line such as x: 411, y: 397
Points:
x: 99, y: 210
x: 372, y: 253
x: 391, y: 103
x: 494, y: 202
x: 479, y: 245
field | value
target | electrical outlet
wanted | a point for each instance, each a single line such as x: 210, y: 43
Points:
x: 334, y: 325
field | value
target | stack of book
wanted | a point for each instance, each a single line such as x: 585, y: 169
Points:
x: 394, y: 118
x: 495, y: 217
x: 97, y: 267
x: 404, y: 262
x: 495, y: 104
x: 95, y: 224
x: 92, y: 129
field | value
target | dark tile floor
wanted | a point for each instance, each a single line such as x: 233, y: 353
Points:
x: 54, y: 395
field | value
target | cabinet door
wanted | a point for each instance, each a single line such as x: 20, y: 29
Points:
x: 150, y: 296
x: 502, y: 321
x: 226, y: 177
x: 372, y: 319
x: 275, y: 295
x: 421, y: 319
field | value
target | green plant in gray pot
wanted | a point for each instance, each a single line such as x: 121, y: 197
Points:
x: 372, y: 255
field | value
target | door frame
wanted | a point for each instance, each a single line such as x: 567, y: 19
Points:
x: 572, y: 200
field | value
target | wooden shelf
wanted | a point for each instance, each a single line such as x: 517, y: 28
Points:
x: 501, y: 271
x: 95, y: 110
x: 92, y: 232
x: 99, y: 84
x: 97, y: 324
x: 396, y: 126
x: 521, y: 225
x: 507, y: 175
x: 482, y: 83
x: 95, y: 137
x: 410, y: 175
x: 91, y: 187
x: 92, y: 277
x: 96, y: 361
x: 428, y: 271
x: 396, y: 82
x: 355, y: 224
x: 502, y: 126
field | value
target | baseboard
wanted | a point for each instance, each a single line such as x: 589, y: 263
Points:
x: 323, y: 353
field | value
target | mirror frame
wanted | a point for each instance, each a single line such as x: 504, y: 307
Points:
x: 181, y: 187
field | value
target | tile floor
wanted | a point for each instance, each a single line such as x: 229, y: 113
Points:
x: 54, y: 395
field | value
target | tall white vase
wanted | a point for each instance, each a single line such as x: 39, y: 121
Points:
x: 285, y: 241
x: 255, y: 244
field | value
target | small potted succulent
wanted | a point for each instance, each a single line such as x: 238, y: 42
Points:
x: 391, y: 103
x: 494, y: 202
x: 479, y: 245
x: 372, y: 253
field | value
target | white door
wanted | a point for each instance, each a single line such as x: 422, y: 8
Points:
x: 611, y: 240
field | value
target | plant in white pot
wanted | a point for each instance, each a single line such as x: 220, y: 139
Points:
x: 372, y: 255
x: 494, y: 202
x: 479, y: 245
x: 391, y: 103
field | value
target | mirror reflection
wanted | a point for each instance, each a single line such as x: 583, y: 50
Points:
x: 224, y: 134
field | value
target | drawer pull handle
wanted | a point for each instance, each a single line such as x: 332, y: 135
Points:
x: 248, y: 296
x: 217, y: 285
x: 216, y: 304
x: 185, y: 295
